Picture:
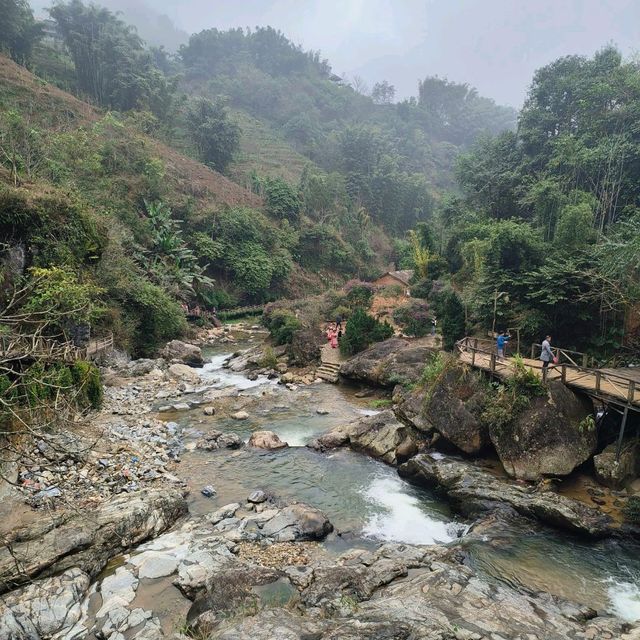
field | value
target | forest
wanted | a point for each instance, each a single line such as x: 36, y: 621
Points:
x: 524, y: 220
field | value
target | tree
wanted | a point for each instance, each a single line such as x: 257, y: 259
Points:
x: 216, y: 137
x: 450, y: 313
x: 111, y: 64
x: 363, y: 330
x: 19, y: 31
x: 383, y: 92
x: 283, y: 200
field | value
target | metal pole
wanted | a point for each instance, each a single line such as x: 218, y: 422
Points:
x: 621, y: 435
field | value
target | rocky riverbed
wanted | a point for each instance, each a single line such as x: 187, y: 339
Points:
x: 121, y: 541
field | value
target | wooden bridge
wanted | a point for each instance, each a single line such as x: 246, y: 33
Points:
x: 21, y: 347
x: 619, y: 386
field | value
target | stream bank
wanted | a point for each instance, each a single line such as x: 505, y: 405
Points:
x: 397, y: 564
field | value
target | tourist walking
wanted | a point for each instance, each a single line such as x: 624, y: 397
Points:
x: 434, y: 324
x: 546, y: 355
x: 501, y: 344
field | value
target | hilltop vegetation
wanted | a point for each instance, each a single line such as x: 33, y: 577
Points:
x: 539, y: 224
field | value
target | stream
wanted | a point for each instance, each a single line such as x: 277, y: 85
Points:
x: 369, y: 503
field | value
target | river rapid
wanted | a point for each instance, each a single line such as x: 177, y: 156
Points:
x: 369, y: 503
x: 366, y: 500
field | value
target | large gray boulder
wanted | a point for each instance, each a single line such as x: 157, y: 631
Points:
x: 183, y: 352
x: 551, y: 437
x: 87, y: 540
x: 453, y: 407
x: 472, y: 490
x: 266, y: 440
x: 385, y: 364
x: 380, y: 436
x: 615, y: 473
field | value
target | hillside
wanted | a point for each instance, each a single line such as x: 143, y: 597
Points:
x: 142, y: 225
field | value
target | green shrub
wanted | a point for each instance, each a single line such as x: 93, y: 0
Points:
x: 363, y: 330
x: 631, y: 510
x: 359, y: 294
x: 414, y: 318
x: 268, y: 360
x: 281, y: 324
x: 86, y: 377
x: 450, y: 313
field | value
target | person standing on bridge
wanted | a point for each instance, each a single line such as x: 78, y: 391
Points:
x: 501, y: 344
x: 546, y: 355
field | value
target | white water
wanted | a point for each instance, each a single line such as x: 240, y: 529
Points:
x: 625, y: 600
x: 214, y: 370
x: 402, y: 519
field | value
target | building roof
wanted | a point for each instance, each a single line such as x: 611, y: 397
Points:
x: 402, y: 276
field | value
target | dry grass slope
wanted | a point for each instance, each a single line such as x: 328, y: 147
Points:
x: 52, y: 108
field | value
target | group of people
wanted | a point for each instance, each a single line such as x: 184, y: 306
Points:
x: 546, y: 353
x: 334, y: 333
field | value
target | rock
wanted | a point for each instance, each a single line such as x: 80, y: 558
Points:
x: 190, y: 354
x: 208, y: 491
x: 472, y: 490
x: 142, y: 367
x: 258, y: 496
x: 183, y: 372
x: 240, y: 415
x: 228, y: 511
x: 385, y: 364
x: 266, y: 440
x: 364, y: 595
x: 408, y: 405
x: 616, y: 474
x: 549, y: 437
x: 209, y: 411
x: 380, y: 436
x: 218, y: 440
x: 287, y: 378
x: 87, y: 540
x: 298, y: 522
x: 454, y: 405
x: 321, y: 411
x: 181, y: 406
x: 44, y: 608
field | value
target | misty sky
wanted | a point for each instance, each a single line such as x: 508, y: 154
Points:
x: 494, y: 45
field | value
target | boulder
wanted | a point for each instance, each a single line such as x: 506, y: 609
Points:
x: 454, y: 405
x: 472, y: 490
x: 218, y: 440
x: 616, y: 474
x: 385, y: 364
x: 142, y: 367
x: 550, y: 437
x: 87, y: 540
x: 183, y: 372
x: 379, y: 436
x: 266, y: 440
x: 408, y: 405
x: 190, y: 354
x: 44, y: 608
x: 240, y: 415
x: 298, y: 522
x: 209, y: 411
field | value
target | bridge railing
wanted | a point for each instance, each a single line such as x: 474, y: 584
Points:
x: 597, y: 382
x: 576, y: 358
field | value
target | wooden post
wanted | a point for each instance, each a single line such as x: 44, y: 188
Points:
x: 473, y: 357
x: 631, y: 391
x: 564, y: 374
x: 585, y: 360
x: 598, y: 380
x: 544, y: 374
x: 533, y: 351
x: 621, y: 434
x: 492, y: 362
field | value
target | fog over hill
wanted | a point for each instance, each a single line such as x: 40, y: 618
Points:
x: 494, y: 45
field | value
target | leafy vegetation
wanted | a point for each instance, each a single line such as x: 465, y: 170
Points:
x: 363, y: 330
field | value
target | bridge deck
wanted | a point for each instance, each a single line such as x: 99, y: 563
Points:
x: 614, y: 385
